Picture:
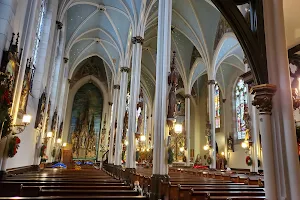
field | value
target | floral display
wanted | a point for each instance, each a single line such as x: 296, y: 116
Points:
x: 14, y: 144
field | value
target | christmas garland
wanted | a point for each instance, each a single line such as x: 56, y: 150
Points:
x: 249, y: 161
x: 209, y: 160
x: 13, y: 146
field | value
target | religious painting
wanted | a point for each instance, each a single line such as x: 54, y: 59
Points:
x: 40, y: 112
x: 180, y: 107
x: 54, y: 121
x: 86, y: 122
x: 10, y: 63
x: 25, y: 88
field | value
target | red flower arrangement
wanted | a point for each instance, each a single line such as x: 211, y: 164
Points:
x: 249, y: 161
x: 14, y: 144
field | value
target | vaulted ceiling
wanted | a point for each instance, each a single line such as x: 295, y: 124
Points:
x: 104, y: 28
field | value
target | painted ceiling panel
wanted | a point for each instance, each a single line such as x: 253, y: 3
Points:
x: 236, y: 62
x: 77, y: 49
x: 200, y: 69
x: 99, y: 34
x: 209, y: 18
x: 76, y: 15
x: 226, y: 46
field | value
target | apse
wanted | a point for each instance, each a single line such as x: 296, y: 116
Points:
x: 85, y: 123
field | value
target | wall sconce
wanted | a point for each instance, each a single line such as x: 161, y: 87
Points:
x: 21, y: 127
x: 222, y: 153
x: 244, y: 145
x: 181, y: 149
x: 143, y: 138
x: 58, y: 141
x: 126, y: 143
x: 206, y: 147
x: 49, y: 134
x: 178, y: 128
x: 64, y: 144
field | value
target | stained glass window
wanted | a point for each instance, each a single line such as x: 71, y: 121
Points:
x: 240, y: 102
x: 39, y: 29
x: 217, y: 106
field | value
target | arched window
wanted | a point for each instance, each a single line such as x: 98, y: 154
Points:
x: 39, y: 31
x: 217, y: 106
x: 240, y: 103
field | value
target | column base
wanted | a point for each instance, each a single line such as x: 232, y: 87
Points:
x: 156, y: 185
x: 3, y: 175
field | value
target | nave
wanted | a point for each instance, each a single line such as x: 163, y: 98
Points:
x: 116, y: 183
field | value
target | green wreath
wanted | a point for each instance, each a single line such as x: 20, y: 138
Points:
x: 249, y: 161
x: 209, y: 160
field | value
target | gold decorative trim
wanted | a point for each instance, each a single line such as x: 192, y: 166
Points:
x: 263, y: 97
x: 59, y: 25
x: 117, y: 87
x: 125, y: 69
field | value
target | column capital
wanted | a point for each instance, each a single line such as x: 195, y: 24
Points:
x: 116, y: 87
x: 125, y: 69
x: 137, y: 39
x: 59, y: 25
x: 263, y: 95
x: 110, y: 103
x: 245, y: 60
x: 223, y: 100
x: 66, y: 60
x: 187, y: 96
x: 211, y: 82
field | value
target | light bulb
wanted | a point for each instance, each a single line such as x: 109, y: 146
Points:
x: 58, y: 140
x: 181, y: 149
x: 49, y: 134
x: 244, y: 145
x: 26, y: 119
x: 143, y: 138
x: 178, y: 128
x: 64, y: 144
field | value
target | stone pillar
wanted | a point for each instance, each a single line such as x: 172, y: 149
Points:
x: 160, y: 167
x: 284, y: 142
x: 263, y: 102
x: 255, y: 149
x: 212, y: 121
x: 188, y: 127
x: 121, y: 114
x: 134, y: 94
x: 112, y: 124
x: 109, y: 123
x: 6, y: 22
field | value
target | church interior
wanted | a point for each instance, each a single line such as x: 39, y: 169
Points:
x: 150, y: 99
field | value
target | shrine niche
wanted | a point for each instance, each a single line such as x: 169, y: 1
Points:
x: 54, y: 121
x: 86, y: 122
x: 40, y: 112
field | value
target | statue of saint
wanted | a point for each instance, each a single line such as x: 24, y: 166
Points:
x: 25, y: 91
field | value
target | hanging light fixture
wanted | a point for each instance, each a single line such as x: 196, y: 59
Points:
x: 178, y: 128
x: 143, y: 138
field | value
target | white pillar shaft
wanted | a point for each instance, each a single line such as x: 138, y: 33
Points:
x: 287, y: 159
x: 212, y: 113
x: 188, y: 128
x: 162, y: 68
x: 120, y: 119
x: 112, y: 127
x: 269, y: 168
x: 254, y: 134
x: 134, y: 94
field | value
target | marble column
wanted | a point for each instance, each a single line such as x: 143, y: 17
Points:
x: 160, y: 167
x: 284, y: 142
x: 188, y: 127
x: 6, y: 22
x: 112, y: 124
x: 263, y: 102
x: 121, y: 114
x: 212, y: 121
x: 109, y: 124
x: 134, y: 94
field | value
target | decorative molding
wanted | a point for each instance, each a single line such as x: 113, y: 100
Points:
x: 125, y: 69
x: 66, y: 60
x: 117, y: 87
x: 187, y: 96
x: 101, y: 8
x: 263, y: 97
x: 137, y: 39
x: 211, y: 82
x: 59, y: 25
